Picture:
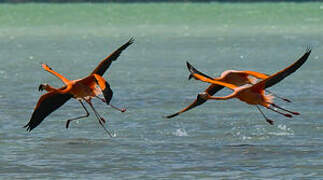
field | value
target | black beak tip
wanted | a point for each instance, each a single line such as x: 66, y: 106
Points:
x: 40, y: 88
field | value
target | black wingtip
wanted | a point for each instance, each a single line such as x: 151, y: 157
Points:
x: 28, y: 127
x: 190, y: 77
x: 131, y: 40
x: 308, y: 48
x: 171, y: 116
x: 189, y: 67
x: 193, y: 70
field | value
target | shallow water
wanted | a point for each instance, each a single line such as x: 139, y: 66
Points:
x: 227, y: 139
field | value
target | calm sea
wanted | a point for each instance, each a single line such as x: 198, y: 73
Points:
x: 219, y: 140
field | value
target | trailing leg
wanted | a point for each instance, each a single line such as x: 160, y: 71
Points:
x: 284, y: 114
x: 284, y: 99
x: 114, y: 107
x: 292, y: 112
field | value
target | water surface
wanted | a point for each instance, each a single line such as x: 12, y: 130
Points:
x: 228, y: 140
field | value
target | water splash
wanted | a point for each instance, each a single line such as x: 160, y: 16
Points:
x: 180, y: 132
x: 285, y: 131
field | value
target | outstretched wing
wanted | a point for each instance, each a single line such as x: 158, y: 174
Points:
x: 212, y: 89
x: 277, y: 77
x: 255, y: 74
x: 205, y: 78
x: 47, y: 104
x: 106, y: 62
x: 195, y: 71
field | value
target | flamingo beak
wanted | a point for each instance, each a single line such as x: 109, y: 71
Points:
x: 41, y: 87
x: 199, y: 97
x: 202, y: 96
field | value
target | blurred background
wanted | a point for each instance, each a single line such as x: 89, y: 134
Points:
x: 218, y: 140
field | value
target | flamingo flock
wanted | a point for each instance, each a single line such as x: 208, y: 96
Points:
x: 248, y: 86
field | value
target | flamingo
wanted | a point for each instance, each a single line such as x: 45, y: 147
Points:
x: 254, y: 94
x: 237, y: 78
x: 82, y: 90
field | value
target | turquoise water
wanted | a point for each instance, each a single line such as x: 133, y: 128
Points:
x: 228, y: 140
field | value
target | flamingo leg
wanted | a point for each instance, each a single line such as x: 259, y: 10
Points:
x: 84, y: 116
x: 284, y: 114
x: 101, y: 120
x: 102, y: 99
x: 263, y: 114
x: 292, y: 112
x: 284, y: 99
x: 114, y: 107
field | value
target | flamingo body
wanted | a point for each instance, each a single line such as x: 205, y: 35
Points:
x: 254, y: 94
x: 82, y: 89
x: 234, y: 77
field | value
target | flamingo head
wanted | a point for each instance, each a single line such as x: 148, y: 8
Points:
x: 203, y: 95
x: 42, y: 87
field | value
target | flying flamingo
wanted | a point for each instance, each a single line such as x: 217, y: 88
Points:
x: 82, y: 90
x: 49, y: 88
x: 237, y: 78
x: 254, y: 94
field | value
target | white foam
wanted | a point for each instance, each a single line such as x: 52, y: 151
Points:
x: 246, y: 137
x: 281, y: 133
x: 286, y: 131
x: 180, y: 132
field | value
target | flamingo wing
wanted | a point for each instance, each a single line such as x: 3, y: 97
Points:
x: 205, y: 78
x: 106, y: 62
x: 105, y: 88
x: 107, y: 93
x: 47, y: 104
x: 193, y: 71
x: 277, y: 77
x: 212, y: 89
x: 255, y: 74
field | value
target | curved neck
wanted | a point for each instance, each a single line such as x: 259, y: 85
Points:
x: 59, y: 76
x: 233, y: 95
